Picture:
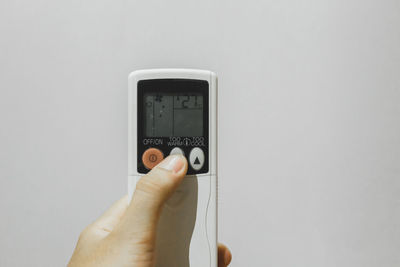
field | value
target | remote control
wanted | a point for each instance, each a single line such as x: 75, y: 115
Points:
x: 174, y: 111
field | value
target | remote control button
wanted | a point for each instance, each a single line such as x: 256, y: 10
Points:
x: 151, y: 157
x: 196, y: 158
x: 177, y: 151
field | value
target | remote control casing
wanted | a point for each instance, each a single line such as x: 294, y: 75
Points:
x: 187, y: 230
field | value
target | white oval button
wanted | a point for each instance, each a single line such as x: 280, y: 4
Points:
x: 196, y: 158
x: 177, y: 151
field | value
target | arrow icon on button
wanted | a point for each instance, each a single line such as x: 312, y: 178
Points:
x: 197, y: 159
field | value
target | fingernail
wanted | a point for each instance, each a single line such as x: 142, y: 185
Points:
x: 172, y: 163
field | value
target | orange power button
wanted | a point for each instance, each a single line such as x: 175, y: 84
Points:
x: 151, y: 157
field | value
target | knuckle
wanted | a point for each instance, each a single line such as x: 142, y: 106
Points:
x: 157, y: 183
x: 148, y: 185
x: 86, y: 233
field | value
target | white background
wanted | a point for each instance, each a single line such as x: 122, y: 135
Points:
x: 309, y: 122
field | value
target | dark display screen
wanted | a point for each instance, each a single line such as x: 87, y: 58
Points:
x: 173, y: 114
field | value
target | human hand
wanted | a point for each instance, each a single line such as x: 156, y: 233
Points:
x: 125, y: 235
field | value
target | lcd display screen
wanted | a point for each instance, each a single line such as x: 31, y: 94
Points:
x: 173, y: 114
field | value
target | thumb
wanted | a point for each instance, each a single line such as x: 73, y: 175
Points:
x: 152, y: 190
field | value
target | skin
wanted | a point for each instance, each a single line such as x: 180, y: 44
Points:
x: 125, y: 235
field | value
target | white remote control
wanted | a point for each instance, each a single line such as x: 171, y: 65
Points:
x: 175, y: 111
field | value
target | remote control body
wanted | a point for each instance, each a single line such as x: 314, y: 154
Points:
x: 175, y: 111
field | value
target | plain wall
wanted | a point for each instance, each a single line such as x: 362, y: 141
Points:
x: 309, y: 128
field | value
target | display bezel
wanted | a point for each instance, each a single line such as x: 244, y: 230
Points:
x: 172, y: 86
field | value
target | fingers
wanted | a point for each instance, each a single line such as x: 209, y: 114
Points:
x: 224, y: 256
x: 152, y: 190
